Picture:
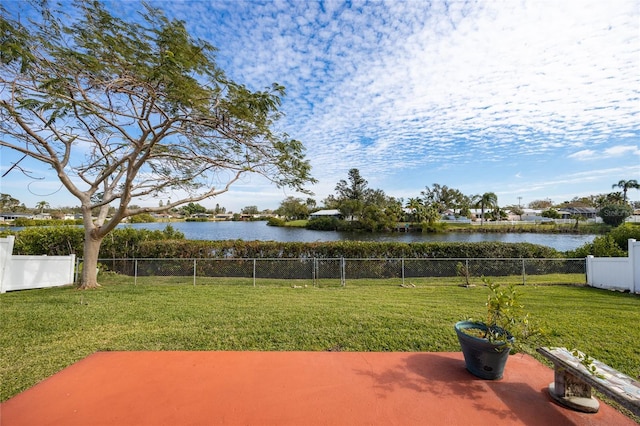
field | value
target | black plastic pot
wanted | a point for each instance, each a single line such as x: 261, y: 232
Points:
x: 483, y: 359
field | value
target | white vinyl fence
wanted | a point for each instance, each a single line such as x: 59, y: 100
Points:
x: 616, y: 273
x: 27, y: 272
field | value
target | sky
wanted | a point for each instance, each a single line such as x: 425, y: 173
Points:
x: 530, y: 100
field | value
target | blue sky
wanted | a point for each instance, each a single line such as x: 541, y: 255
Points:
x: 530, y: 99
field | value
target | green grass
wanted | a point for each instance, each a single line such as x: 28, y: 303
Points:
x: 528, y: 227
x: 547, y: 279
x: 43, y: 331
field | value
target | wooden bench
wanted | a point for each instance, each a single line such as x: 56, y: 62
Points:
x: 574, y: 381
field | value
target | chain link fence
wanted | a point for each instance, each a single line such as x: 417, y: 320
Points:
x: 339, y: 271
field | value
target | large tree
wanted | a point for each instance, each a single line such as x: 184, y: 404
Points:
x: 8, y: 204
x: 540, y: 204
x: 352, y: 194
x: 353, y: 189
x: 615, y: 214
x: 126, y: 109
x: 443, y: 198
x: 293, y: 208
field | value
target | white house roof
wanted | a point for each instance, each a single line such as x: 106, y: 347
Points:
x: 332, y: 212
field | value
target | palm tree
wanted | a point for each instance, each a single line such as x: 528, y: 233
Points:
x: 485, y: 201
x: 41, y: 205
x: 578, y: 218
x: 625, y: 185
x: 415, y: 205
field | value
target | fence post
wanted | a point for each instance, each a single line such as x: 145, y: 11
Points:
x: 194, y: 272
x: 254, y: 272
x: 634, y: 274
x: 524, y: 274
x: 588, y: 268
x: 402, y: 262
x: 135, y: 272
x: 467, y: 274
x: 75, y: 277
x: 343, y: 270
x: 313, y: 272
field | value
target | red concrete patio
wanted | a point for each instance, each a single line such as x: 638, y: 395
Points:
x: 293, y: 388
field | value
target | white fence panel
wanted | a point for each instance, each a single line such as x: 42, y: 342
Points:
x: 611, y: 273
x: 6, y: 248
x: 616, y: 273
x: 634, y: 257
x: 27, y: 272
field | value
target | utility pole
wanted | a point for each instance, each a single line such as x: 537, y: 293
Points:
x: 519, y: 199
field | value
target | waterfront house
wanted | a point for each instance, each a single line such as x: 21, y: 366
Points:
x: 6, y: 217
x: 325, y: 213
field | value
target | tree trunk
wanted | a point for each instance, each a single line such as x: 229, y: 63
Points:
x: 90, y: 259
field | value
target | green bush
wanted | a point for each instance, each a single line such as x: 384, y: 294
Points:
x: 623, y: 233
x: 125, y: 242
x: 142, y: 218
x: 551, y: 213
x: 24, y: 222
x: 614, y: 244
x: 615, y: 214
x: 323, y: 224
x: 602, y: 246
x: 274, y: 221
x: 65, y: 240
x: 52, y: 241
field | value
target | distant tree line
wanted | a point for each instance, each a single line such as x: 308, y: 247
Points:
x: 364, y: 208
x: 367, y: 209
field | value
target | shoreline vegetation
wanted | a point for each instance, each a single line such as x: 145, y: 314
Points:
x: 487, y: 227
x: 440, y: 227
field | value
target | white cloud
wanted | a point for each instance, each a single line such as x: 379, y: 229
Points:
x: 611, y: 152
x: 620, y: 150
x: 585, y: 154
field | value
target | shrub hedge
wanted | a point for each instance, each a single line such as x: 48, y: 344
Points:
x: 65, y: 240
x: 337, y: 249
x: 23, y: 221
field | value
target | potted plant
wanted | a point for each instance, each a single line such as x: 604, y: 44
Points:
x: 486, y: 344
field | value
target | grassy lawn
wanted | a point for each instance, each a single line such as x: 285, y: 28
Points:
x: 524, y: 226
x: 43, y: 331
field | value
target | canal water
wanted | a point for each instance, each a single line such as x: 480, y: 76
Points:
x: 250, y: 231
